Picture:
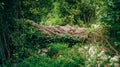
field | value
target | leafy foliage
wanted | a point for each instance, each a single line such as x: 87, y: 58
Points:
x: 19, y: 40
x: 112, y: 18
x: 67, y: 58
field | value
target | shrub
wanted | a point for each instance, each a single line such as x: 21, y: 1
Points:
x: 68, y: 57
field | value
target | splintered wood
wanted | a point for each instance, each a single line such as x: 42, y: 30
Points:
x: 62, y: 30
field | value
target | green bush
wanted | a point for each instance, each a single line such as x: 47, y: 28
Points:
x: 112, y: 20
x: 56, y: 47
x: 69, y: 57
x: 36, y: 61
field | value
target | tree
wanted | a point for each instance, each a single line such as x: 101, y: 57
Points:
x: 112, y: 19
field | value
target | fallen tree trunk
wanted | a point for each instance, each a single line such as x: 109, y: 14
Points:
x: 61, y: 30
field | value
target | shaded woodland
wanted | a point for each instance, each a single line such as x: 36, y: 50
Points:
x: 59, y: 33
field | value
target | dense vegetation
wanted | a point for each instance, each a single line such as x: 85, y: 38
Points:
x: 23, y: 45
